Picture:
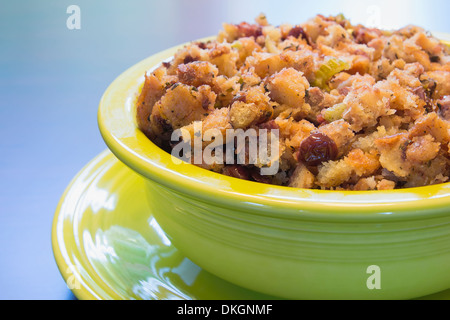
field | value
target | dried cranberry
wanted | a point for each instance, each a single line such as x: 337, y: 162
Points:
x: 189, y: 59
x: 316, y: 149
x: 258, y: 177
x: 299, y: 31
x: 237, y: 171
x: 249, y: 30
x: 269, y: 125
x: 296, y: 32
x: 201, y: 45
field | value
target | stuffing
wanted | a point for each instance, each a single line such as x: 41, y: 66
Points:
x: 252, y: 108
x: 288, y: 87
x: 197, y: 73
x: 336, y: 106
x: 302, y: 178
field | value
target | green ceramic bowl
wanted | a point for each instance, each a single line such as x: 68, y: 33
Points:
x: 291, y: 243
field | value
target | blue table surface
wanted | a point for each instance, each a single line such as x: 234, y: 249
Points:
x: 52, y: 78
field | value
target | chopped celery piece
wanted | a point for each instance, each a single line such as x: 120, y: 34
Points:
x: 271, y: 46
x: 327, y: 70
x: 447, y: 44
x: 237, y: 45
x: 334, y: 113
x: 340, y: 17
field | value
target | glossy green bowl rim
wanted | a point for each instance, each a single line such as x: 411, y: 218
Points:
x: 116, y: 120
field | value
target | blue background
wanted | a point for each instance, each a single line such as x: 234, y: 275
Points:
x: 52, y: 78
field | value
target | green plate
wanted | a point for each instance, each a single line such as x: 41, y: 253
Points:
x: 108, y: 246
